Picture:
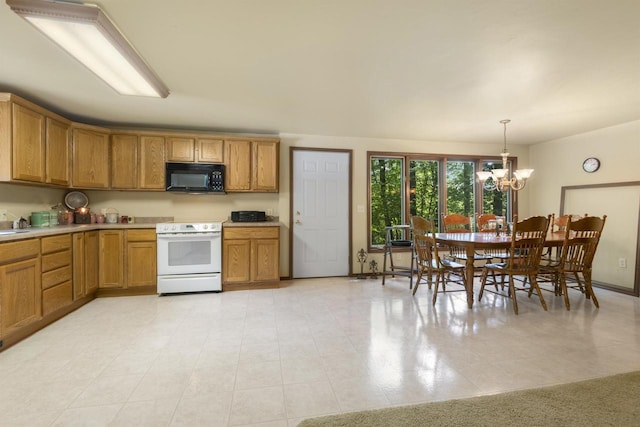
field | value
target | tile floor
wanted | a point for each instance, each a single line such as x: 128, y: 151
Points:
x: 271, y: 358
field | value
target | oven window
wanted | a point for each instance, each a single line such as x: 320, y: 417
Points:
x: 189, y: 253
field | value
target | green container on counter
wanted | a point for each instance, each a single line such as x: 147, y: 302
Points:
x: 40, y: 219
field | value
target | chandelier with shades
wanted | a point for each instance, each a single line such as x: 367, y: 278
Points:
x: 499, y: 179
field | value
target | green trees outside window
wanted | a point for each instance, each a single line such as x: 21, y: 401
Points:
x: 404, y: 185
x: 387, y: 185
x: 495, y: 202
x: 460, y: 187
x: 424, y: 188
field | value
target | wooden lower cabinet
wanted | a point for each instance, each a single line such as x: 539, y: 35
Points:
x: 250, y: 257
x: 91, y: 262
x: 57, y: 290
x: 111, y: 262
x: 20, y: 285
x: 141, y: 258
x: 128, y: 259
x: 236, y: 256
x: 85, y: 264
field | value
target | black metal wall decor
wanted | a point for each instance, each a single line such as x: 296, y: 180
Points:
x: 362, y: 258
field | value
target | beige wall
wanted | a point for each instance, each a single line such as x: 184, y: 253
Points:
x: 21, y: 200
x: 559, y: 163
x: 360, y: 146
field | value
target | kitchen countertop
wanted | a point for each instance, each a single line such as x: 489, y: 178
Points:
x: 271, y: 222
x: 34, y: 232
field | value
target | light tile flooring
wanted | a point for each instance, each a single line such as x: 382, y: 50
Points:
x: 313, y: 347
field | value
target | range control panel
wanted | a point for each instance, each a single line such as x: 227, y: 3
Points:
x: 186, y: 227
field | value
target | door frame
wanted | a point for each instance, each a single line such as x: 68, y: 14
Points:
x: 292, y: 150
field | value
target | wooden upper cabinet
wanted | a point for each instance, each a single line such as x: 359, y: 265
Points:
x: 90, y: 159
x: 237, y: 158
x: 180, y: 149
x: 265, y: 166
x: 58, y: 142
x: 34, y: 143
x: 201, y: 150
x: 151, y: 160
x: 210, y: 150
x: 28, y: 144
x: 251, y: 165
x: 124, y: 162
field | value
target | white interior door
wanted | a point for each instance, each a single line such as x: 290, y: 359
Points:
x: 320, y: 213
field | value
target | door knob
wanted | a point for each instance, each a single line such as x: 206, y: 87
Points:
x: 298, y: 221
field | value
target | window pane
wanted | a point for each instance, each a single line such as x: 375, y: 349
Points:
x: 423, y: 189
x: 386, y: 196
x: 460, y: 187
x: 495, y: 202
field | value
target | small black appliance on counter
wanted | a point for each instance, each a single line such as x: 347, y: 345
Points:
x: 248, y: 216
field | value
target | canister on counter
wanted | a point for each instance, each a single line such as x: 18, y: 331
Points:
x: 40, y: 219
x: 82, y: 216
x: 53, y: 218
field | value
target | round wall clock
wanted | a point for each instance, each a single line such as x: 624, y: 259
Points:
x: 591, y: 164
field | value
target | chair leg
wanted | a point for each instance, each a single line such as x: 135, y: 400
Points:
x: 579, y: 283
x: 384, y: 265
x: 439, y: 277
x: 415, y: 288
x: 411, y: 270
x: 534, y: 283
x: 483, y: 281
x: 589, y: 288
x: 563, y: 289
x: 512, y: 293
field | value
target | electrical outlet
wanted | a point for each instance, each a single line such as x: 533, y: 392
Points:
x: 3, y: 214
x: 622, y: 262
x: 270, y: 212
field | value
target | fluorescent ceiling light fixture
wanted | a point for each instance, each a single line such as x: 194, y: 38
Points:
x: 87, y: 33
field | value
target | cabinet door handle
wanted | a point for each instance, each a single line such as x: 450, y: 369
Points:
x: 298, y: 221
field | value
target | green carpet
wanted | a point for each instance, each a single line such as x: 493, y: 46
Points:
x: 608, y: 401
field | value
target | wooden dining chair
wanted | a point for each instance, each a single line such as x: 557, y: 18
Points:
x: 456, y: 223
x: 430, y: 263
x: 581, y: 240
x: 527, y: 243
x: 558, y: 224
x: 421, y: 225
x: 483, y: 224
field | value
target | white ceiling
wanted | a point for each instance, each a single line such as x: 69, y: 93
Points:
x: 446, y: 70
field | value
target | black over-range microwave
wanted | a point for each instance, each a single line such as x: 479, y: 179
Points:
x: 195, y: 177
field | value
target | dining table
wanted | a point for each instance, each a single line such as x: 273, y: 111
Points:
x: 472, y: 242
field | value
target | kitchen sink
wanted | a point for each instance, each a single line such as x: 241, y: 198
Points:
x: 10, y: 232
